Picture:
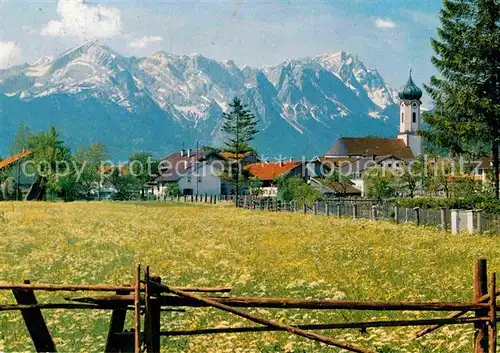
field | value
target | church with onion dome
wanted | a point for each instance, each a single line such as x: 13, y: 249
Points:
x: 354, y: 155
x: 406, y: 146
x: 409, y: 116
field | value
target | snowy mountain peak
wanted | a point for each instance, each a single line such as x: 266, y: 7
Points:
x: 44, y: 60
x: 190, y: 92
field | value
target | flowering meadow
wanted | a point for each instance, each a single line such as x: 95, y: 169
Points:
x: 257, y: 253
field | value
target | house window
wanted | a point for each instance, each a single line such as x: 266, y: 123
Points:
x: 402, y: 117
x: 189, y: 179
x: 389, y: 165
x: 199, y: 179
x: 414, y: 117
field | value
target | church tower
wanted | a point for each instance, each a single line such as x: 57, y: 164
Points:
x: 409, y: 116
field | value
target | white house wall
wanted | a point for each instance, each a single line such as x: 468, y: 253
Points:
x: 208, y: 182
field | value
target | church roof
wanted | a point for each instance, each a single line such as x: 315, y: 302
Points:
x: 369, y: 146
x: 410, y: 90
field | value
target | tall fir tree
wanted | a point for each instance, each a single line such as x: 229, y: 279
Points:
x: 466, y: 118
x: 240, y: 127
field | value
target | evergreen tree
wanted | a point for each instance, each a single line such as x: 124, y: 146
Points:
x: 143, y: 168
x: 51, y: 158
x: 21, y: 140
x: 240, y: 126
x: 466, y: 118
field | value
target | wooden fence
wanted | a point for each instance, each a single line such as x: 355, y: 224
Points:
x: 148, y: 298
x: 477, y: 222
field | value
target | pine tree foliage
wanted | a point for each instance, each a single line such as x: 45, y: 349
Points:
x: 240, y: 127
x: 466, y: 94
x: 239, y: 124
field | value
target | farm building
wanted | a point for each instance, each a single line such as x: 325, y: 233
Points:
x: 356, y: 169
x: 17, y: 182
x: 331, y: 189
x: 268, y: 172
x: 245, y: 158
x: 193, y: 172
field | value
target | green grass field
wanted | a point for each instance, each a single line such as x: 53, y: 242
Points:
x: 257, y: 253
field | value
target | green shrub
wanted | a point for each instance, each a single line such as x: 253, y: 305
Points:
x: 474, y: 202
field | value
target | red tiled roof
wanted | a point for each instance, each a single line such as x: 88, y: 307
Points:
x: 230, y: 155
x: 108, y: 169
x: 270, y: 171
x: 13, y: 159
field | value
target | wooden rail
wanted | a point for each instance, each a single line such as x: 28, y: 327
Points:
x: 100, y: 288
x: 333, y: 326
x: 292, y: 303
x: 148, y: 297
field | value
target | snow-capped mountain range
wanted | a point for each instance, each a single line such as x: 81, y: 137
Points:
x: 165, y: 101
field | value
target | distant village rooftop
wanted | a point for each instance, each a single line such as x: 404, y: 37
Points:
x: 269, y: 171
x: 369, y: 146
x: 14, y: 158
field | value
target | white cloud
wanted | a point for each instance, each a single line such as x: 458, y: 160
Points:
x: 10, y: 54
x: 384, y: 23
x: 77, y: 19
x: 145, y: 41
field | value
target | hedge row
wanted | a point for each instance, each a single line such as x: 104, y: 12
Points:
x: 471, y: 203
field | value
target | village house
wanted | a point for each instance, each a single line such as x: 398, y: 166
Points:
x: 245, y: 158
x: 482, y: 168
x: 268, y: 172
x: 195, y: 173
x: 19, y: 183
x: 355, y: 170
x: 332, y: 189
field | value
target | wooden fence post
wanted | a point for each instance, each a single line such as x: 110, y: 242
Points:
x: 479, y: 220
x: 339, y: 214
x: 327, y: 208
x: 470, y: 221
x: 34, y: 320
x: 354, y: 210
x: 315, y: 208
x: 305, y: 208
x: 417, y: 215
x: 455, y: 222
x: 374, y: 212
x: 492, y: 327
x: 480, y: 289
x: 396, y: 214
x: 155, y: 316
x: 443, y: 218
x: 117, y: 325
x: 137, y: 311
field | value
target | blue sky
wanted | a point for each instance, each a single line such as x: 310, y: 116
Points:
x: 389, y: 35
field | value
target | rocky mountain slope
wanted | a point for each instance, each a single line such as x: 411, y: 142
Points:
x: 162, y: 102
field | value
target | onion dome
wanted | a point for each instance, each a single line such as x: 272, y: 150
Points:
x: 410, y: 91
